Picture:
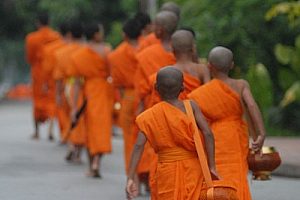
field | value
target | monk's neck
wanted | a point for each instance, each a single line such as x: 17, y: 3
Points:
x: 133, y: 43
x: 221, y: 76
x: 166, y: 43
x: 184, y: 59
x: 172, y: 101
x: 78, y: 41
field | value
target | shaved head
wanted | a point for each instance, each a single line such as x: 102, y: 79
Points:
x: 221, y: 58
x: 169, y: 82
x: 167, y: 21
x: 172, y: 7
x: 182, y: 41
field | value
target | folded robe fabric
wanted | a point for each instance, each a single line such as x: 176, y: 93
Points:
x: 222, y: 107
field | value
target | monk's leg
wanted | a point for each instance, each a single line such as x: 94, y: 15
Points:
x: 77, y: 154
x: 36, y: 133
x: 96, y: 166
x: 70, y: 153
x: 50, y: 130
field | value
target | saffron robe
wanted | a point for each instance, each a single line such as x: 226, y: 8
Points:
x: 190, y: 83
x: 48, y: 68
x: 223, y: 109
x: 149, y: 62
x: 35, y: 42
x: 170, y: 133
x: 123, y: 65
x: 66, y: 71
x: 148, y: 41
x: 49, y: 64
x: 99, y: 95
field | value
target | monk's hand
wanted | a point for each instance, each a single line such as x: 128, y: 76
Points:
x: 131, y: 189
x: 214, y: 174
x: 258, y: 144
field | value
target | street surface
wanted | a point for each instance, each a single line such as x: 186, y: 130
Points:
x: 36, y: 170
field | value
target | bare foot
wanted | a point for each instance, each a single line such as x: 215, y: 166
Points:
x: 35, y: 136
x: 69, y: 156
x: 50, y: 137
x: 94, y: 173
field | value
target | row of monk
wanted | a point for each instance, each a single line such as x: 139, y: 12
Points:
x: 74, y: 79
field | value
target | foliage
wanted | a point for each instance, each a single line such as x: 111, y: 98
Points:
x: 291, y: 9
x: 241, y: 26
x: 261, y: 86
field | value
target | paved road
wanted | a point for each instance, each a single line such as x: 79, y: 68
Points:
x: 31, y: 170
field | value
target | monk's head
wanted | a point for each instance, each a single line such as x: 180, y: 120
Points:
x: 165, y: 24
x: 131, y: 29
x: 172, y: 7
x: 183, y: 43
x: 169, y: 83
x: 93, y: 32
x: 144, y: 22
x: 220, y: 59
x: 76, y: 29
x: 64, y: 29
x: 42, y: 19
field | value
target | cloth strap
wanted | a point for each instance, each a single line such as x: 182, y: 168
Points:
x: 200, y: 151
x: 175, y: 154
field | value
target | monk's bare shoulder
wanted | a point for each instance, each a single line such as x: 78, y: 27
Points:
x: 202, y: 72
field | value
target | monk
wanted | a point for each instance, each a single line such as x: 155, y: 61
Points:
x: 65, y: 74
x: 169, y: 130
x: 224, y: 101
x: 194, y: 74
x: 48, y: 64
x: 91, y: 64
x: 172, y: 7
x: 150, y: 61
x: 34, y: 45
x: 144, y: 22
x: 123, y: 64
x: 151, y: 38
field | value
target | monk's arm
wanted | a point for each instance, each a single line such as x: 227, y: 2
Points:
x: 205, y: 74
x: 208, y: 136
x: 59, y: 91
x: 131, y: 188
x: 136, y: 154
x: 255, y: 116
x: 75, y: 97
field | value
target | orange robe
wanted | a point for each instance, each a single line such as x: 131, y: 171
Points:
x: 66, y: 71
x: 170, y: 132
x: 223, y: 109
x: 35, y: 42
x: 48, y: 67
x: 149, y: 62
x: 190, y: 83
x: 99, y: 94
x: 123, y: 65
x: 49, y: 63
x: 148, y: 41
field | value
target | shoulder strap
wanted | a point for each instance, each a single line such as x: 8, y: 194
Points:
x: 199, y: 146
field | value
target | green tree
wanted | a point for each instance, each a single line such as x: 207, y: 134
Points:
x: 241, y: 26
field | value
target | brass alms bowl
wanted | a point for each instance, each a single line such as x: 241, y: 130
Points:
x: 262, y: 166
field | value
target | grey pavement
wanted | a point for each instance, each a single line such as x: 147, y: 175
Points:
x: 289, y: 151
x: 36, y: 170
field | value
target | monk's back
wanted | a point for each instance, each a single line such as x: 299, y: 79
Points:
x: 169, y: 131
x: 177, y: 133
